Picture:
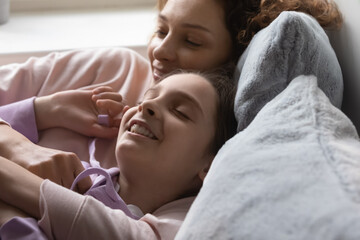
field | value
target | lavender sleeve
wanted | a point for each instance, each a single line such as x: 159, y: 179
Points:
x: 21, y: 116
x: 21, y: 229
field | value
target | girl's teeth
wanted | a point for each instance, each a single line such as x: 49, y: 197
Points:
x: 141, y: 130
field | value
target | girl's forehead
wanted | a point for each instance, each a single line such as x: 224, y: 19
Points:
x: 184, y: 81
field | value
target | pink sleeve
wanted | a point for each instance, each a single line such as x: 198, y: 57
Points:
x: 21, y: 116
x: 68, y: 215
x: 76, y: 69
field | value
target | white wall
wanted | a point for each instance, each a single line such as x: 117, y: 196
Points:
x: 346, y: 45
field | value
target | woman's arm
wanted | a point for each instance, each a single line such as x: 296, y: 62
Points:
x: 7, y: 212
x: 19, y: 187
x: 58, y: 166
x: 66, y: 214
x: 84, y: 217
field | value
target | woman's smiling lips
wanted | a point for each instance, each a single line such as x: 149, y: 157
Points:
x: 157, y: 74
x: 141, y: 128
x: 159, y: 70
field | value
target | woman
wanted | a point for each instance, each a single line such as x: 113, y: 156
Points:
x: 201, y: 35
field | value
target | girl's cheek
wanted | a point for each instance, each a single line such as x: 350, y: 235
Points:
x: 127, y: 115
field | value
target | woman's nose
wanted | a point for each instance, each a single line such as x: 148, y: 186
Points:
x: 166, y: 50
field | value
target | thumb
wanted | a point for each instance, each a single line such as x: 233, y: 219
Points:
x: 103, y: 131
x: 84, y: 184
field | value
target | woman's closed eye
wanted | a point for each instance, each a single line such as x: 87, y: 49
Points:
x: 160, y: 33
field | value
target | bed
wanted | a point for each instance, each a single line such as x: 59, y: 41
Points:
x: 293, y: 170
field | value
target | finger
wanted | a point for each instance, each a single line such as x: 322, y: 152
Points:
x: 110, y: 107
x: 62, y: 174
x: 63, y: 166
x: 67, y: 179
x: 127, y: 107
x: 109, y: 95
x: 102, y: 89
x: 84, y: 184
x: 116, y: 122
x: 103, y: 131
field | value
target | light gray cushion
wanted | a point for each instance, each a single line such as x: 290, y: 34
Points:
x: 293, y: 173
x: 293, y: 44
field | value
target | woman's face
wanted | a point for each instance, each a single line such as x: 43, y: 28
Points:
x: 190, y: 34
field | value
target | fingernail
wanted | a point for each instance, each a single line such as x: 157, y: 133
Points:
x: 103, y: 119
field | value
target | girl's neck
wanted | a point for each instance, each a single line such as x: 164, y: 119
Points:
x: 143, y: 197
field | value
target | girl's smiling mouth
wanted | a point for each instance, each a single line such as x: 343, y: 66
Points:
x: 141, y: 129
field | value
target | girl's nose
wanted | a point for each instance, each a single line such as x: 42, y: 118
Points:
x: 149, y: 108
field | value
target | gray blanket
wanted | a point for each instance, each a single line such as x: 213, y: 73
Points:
x: 293, y: 171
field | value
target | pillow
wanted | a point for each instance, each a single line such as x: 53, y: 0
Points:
x: 293, y: 44
x: 293, y: 173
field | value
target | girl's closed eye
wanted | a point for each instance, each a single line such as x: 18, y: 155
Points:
x: 181, y: 114
x: 193, y: 43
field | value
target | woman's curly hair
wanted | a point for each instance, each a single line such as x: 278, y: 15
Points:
x: 244, y: 18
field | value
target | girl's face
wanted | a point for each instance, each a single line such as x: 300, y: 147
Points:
x: 164, y: 143
x: 190, y: 34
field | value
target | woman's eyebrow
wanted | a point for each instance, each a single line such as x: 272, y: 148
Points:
x: 196, y: 26
x: 186, y: 25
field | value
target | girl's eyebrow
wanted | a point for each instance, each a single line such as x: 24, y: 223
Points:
x: 152, y: 89
x: 190, y: 100
x: 180, y: 94
x: 186, y: 25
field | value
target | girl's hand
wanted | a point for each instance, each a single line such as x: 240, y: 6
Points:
x: 109, y: 103
x: 78, y: 110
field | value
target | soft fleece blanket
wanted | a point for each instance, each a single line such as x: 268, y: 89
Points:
x: 293, y: 170
x: 293, y: 174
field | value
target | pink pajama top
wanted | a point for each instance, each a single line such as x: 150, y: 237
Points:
x: 100, y: 214
x: 66, y: 214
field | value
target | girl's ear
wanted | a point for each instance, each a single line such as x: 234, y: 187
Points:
x: 203, y: 172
